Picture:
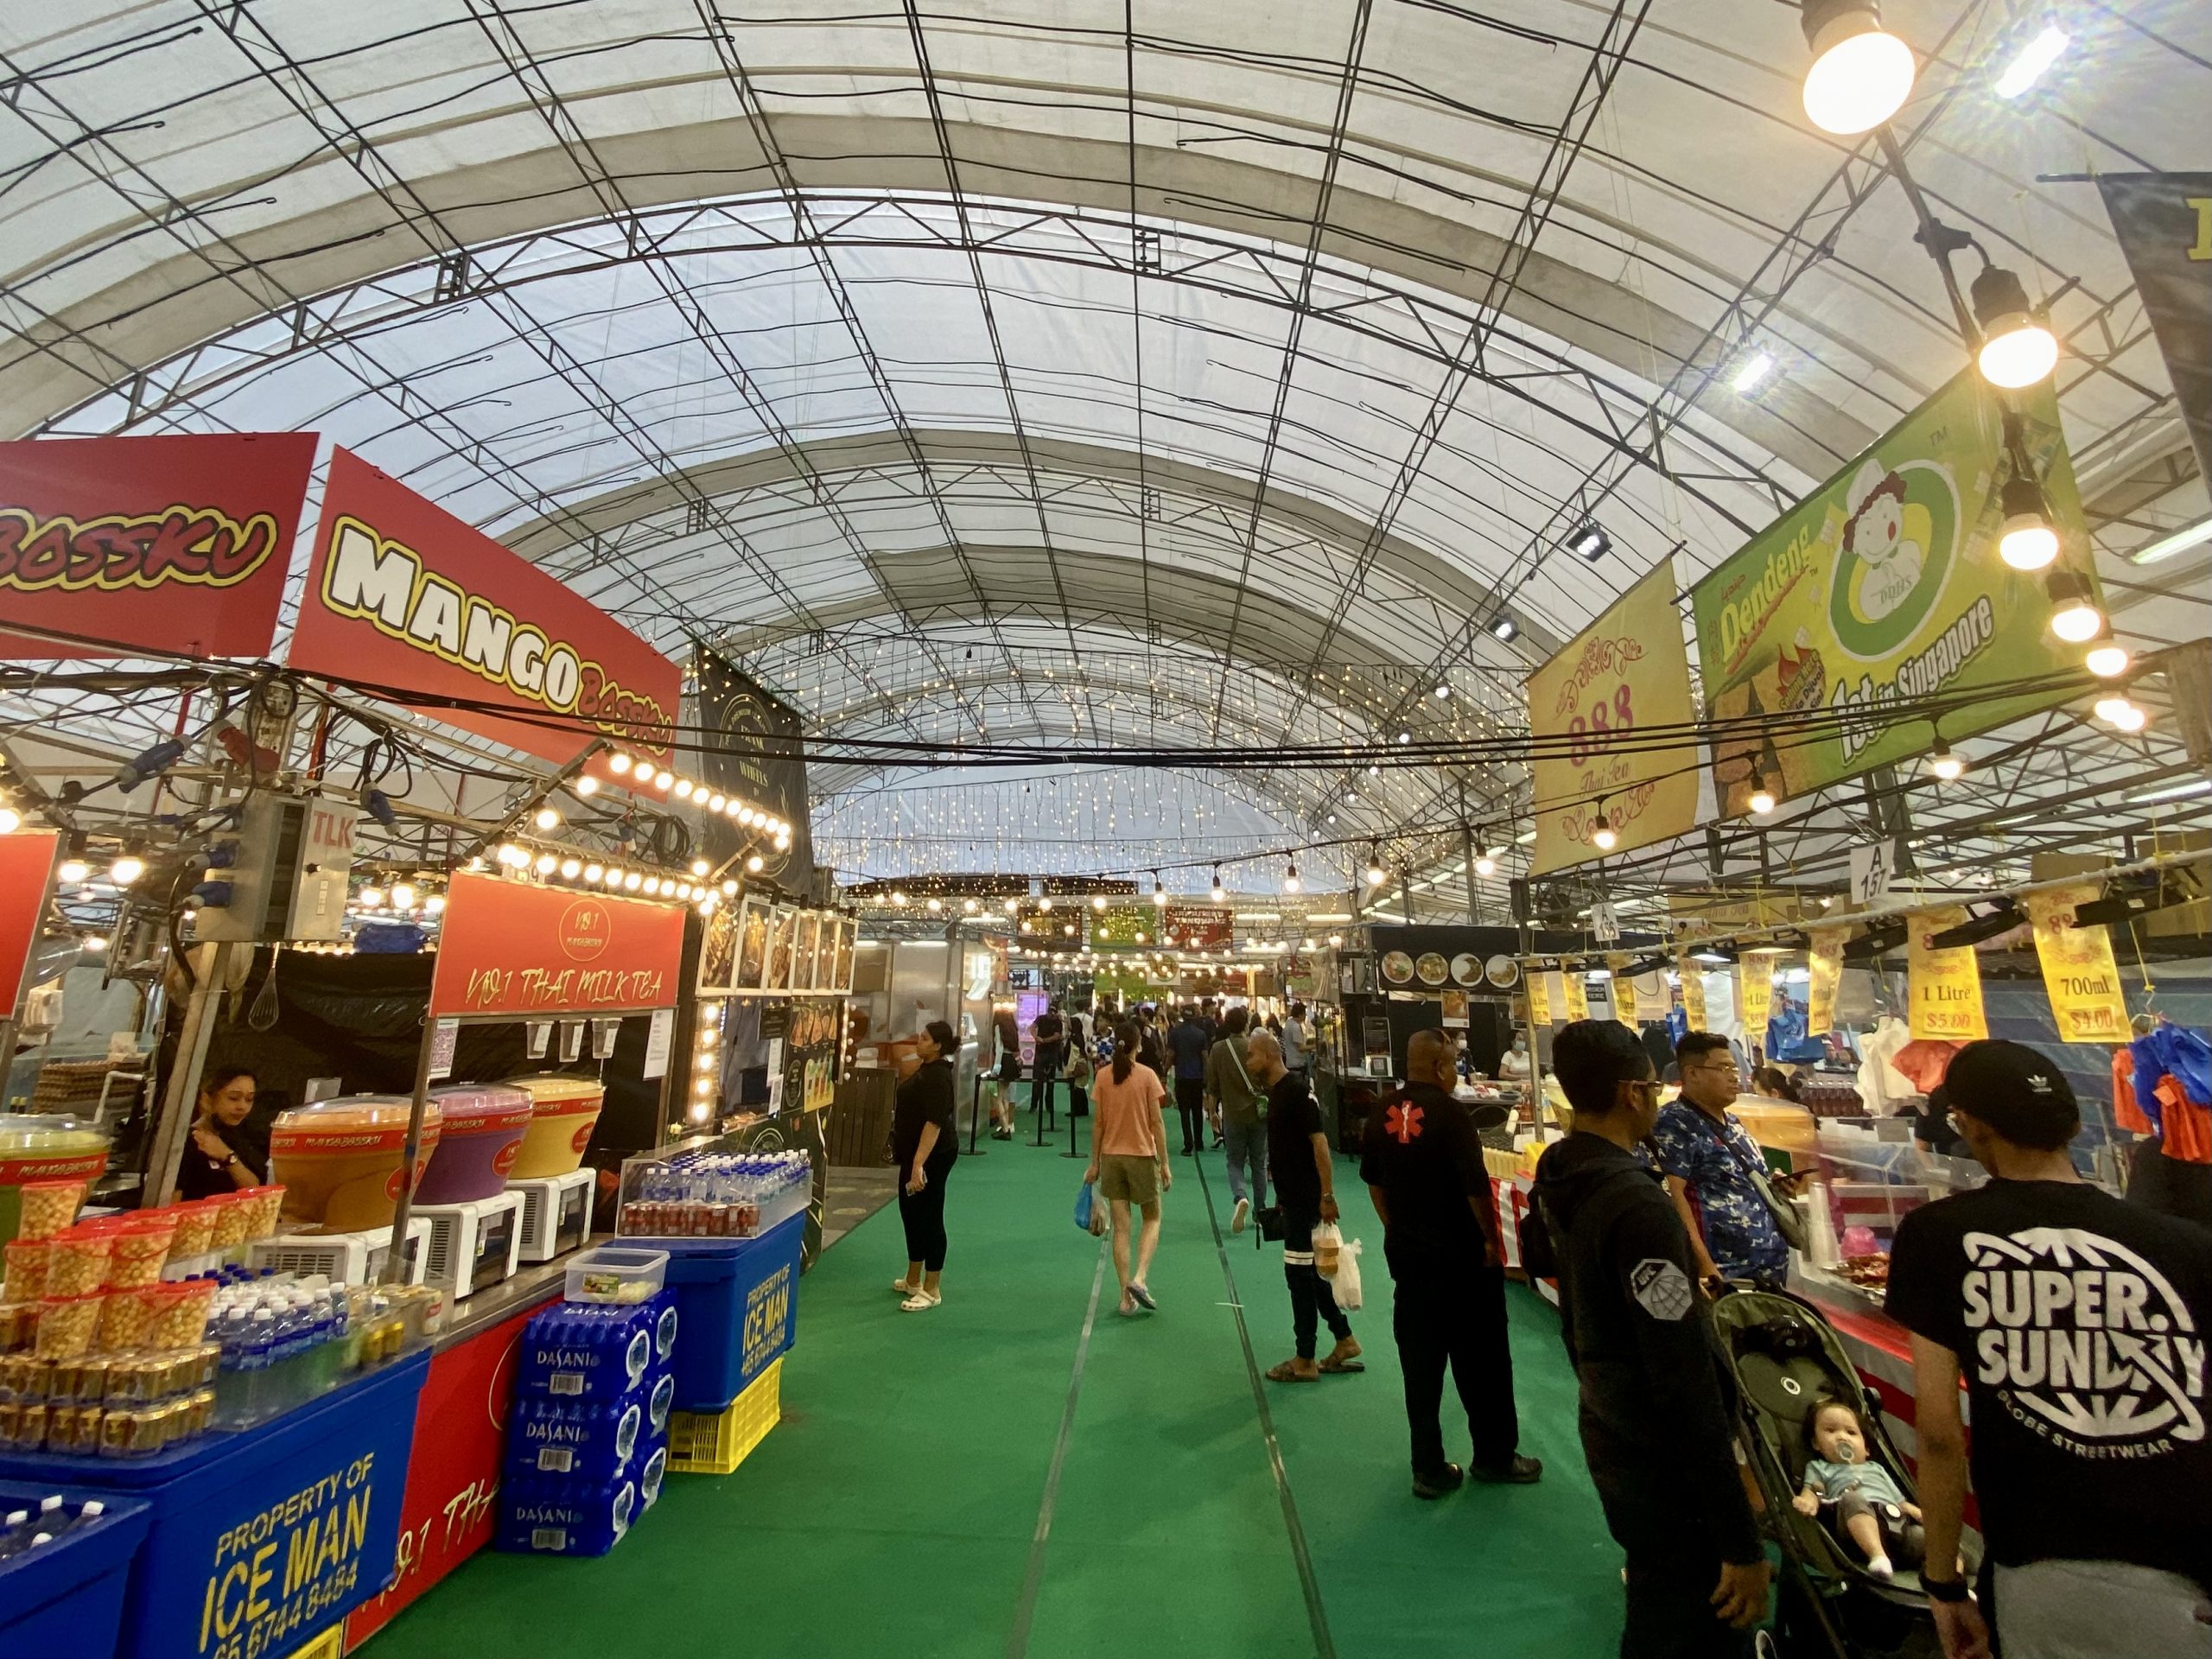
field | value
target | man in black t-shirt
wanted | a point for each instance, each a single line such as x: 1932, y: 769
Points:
x: 1423, y: 1166
x: 1051, y: 1036
x: 2079, y: 1322
x: 1298, y: 1149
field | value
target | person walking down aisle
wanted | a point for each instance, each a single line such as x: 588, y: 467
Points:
x: 1422, y: 1162
x: 1306, y: 1188
x: 1128, y: 1159
x: 1186, y: 1045
x: 1229, y: 1085
x: 1658, y: 1399
x: 925, y: 1148
x: 1295, y: 1054
x: 2079, y: 1321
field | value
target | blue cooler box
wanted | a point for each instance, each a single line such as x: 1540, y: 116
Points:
x: 259, y: 1542
x: 738, y: 1299
x: 64, y: 1600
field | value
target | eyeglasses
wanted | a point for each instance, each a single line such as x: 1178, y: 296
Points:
x: 1727, y: 1068
x: 1650, y: 1085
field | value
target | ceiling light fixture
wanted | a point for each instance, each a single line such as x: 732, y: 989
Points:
x: 2028, y: 543
x: 2121, y: 714
x: 1945, y: 764
x: 1590, y: 540
x: 1861, y: 75
x: 127, y: 869
x: 1159, y: 892
x: 1503, y: 627
x: 2107, y: 658
x: 1603, y: 835
x: 1486, y: 862
x: 1219, y: 893
x: 2033, y: 58
x: 1764, y: 799
x: 546, y: 817
x: 587, y: 785
x: 1290, y: 880
x: 1755, y: 369
x: 1375, y: 872
x: 2017, y: 349
x: 2167, y: 547
x: 2074, y: 617
x: 1443, y: 691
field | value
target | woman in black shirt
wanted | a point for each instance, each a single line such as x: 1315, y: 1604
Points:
x: 924, y: 1149
x: 222, y: 1154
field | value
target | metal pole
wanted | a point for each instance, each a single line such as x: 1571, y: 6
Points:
x: 181, y: 1096
x: 976, y: 1112
x: 395, y: 1259
x: 1467, y: 838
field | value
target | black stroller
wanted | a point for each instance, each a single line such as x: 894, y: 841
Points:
x: 1787, y: 1360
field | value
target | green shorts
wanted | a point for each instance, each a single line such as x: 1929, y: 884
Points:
x: 1134, y: 1180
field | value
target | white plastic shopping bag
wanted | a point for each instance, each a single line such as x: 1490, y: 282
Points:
x: 1345, y: 1285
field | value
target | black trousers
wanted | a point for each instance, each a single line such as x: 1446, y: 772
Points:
x: 1191, y: 1101
x: 923, y: 1216
x: 1670, y: 1609
x: 1044, y: 1077
x: 1312, y: 1303
x: 1455, y: 1316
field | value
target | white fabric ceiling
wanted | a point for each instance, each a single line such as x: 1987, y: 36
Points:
x: 1232, y: 362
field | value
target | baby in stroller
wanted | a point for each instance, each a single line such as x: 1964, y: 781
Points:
x: 1868, y: 1505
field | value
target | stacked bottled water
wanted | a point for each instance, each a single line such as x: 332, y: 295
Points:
x: 713, y: 1194
x: 285, y: 1340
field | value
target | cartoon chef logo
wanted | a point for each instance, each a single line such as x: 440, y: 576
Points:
x: 2084, y: 1341
x: 1892, y: 551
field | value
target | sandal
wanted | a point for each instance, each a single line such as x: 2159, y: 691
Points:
x: 904, y: 1287
x: 1288, y: 1372
x: 920, y: 1302
x: 1343, y: 1367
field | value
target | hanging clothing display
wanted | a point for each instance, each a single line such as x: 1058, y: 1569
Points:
x: 1881, y: 1086
x: 2173, y: 1089
x: 2126, y: 1111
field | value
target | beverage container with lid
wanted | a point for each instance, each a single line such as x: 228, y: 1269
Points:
x: 53, y: 1153
x: 339, y: 1160
x: 563, y: 1111
x: 480, y: 1137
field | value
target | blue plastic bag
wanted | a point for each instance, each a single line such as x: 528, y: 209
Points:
x: 1082, y: 1206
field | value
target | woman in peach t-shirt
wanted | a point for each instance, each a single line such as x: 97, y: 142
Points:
x: 1128, y: 1158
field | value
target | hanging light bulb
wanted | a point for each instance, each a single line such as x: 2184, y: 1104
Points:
x: 2028, y: 543
x: 10, y: 820
x: 1098, y: 902
x: 618, y: 763
x: 592, y: 872
x: 127, y: 869
x: 72, y: 870
x: 1486, y: 862
x: 700, y: 867
x: 1290, y: 880
x: 755, y: 864
x: 434, y: 904
x: 1861, y: 75
x: 1443, y: 691
x: 1603, y: 835
x: 2118, y: 711
x: 2074, y: 617
x: 547, y: 863
x: 1375, y: 872
x: 370, y: 898
x: 587, y: 785
x: 1219, y: 892
x: 546, y: 817
x: 1503, y: 627
x: 2017, y: 349
x: 402, y: 895
x: 2107, y: 658
x: 1159, y: 893
x: 570, y: 869
x: 1944, y: 764
x: 1764, y: 799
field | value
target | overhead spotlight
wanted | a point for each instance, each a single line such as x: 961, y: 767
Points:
x: 74, y: 869
x: 651, y: 884
x: 402, y: 895
x: 898, y: 896
x: 618, y: 763
x: 755, y: 864
x: 1764, y: 799
x: 1486, y: 862
x: 1405, y: 737
x: 1219, y: 892
x: 593, y: 873
x: 370, y: 898
x: 570, y: 869
x: 1443, y: 691
x: 933, y: 904
x: 2108, y: 659
x: 1603, y: 835
x: 2028, y: 541
x: 2017, y: 349
x: 434, y: 904
x: 684, y: 789
x: 546, y: 817
x: 700, y: 867
x: 127, y: 869
x: 1590, y: 540
x: 633, y: 880
x: 1045, y: 902
x: 1861, y: 75
x: 587, y: 785
x: 2074, y: 617
x: 2037, y: 55
x: 1290, y: 880
x: 1756, y: 368
x: 546, y: 864
x: 968, y: 906
x: 2121, y: 714
x: 1945, y: 764
x: 1503, y: 627
x: 717, y: 802
x: 1098, y: 902
x: 729, y: 887
x: 10, y: 820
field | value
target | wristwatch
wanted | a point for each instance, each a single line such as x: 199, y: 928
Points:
x: 1951, y: 1590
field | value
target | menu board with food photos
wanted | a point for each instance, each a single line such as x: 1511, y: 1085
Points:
x: 756, y: 945
x: 718, y: 950
x: 751, y: 944
x: 782, y: 932
x: 840, y: 979
x: 805, y: 949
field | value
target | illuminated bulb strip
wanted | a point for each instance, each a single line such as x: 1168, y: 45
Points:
x: 642, y: 774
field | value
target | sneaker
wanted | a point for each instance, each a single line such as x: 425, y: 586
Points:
x: 1144, y: 1298
x: 1240, y: 1216
x: 1519, y: 1472
x: 1443, y: 1484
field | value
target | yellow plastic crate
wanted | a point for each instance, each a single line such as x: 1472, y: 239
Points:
x: 715, y: 1445
x: 329, y: 1645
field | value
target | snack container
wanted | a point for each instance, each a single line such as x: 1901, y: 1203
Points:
x: 27, y: 1260
x: 141, y: 1245
x: 127, y: 1321
x: 264, y: 1205
x: 26, y: 1378
x: 47, y: 1207
x: 231, y: 1217
x: 88, y: 1378
x: 76, y: 1262
x: 67, y: 1325
x: 182, y: 1318
x: 195, y: 1229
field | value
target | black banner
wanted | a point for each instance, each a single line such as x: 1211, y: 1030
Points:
x: 767, y: 768
x: 2163, y: 221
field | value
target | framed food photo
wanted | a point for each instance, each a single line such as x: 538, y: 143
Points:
x: 751, y: 974
x: 804, y: 948
x: 841, y: 974
x: 783, y: 928
x: 718, y: 950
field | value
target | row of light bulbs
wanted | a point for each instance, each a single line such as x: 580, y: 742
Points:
x: 642, y: 773
x: 617, y: 877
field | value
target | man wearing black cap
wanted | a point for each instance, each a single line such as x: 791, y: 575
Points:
x: 2079, y: 1322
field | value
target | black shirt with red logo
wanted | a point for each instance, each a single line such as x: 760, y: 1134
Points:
x: 1423, y: 1153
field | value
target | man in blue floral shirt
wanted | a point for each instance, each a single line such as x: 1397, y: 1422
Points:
x: 1708, y: 1159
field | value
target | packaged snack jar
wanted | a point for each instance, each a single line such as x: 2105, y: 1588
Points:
x: 232, y: 1215
x: 195, y: 1229
x: 47, y: 1207
x: 141, y: 1245
x: 76, y: 1261
x: 479, y: 1137
x: 129, y: 1318
x: 563, y: 1111
x: 339, y: 1160
x: 183, y: 1310
x: 67, y: 1325
x: 264, y: 1204
x: 27, y: 1260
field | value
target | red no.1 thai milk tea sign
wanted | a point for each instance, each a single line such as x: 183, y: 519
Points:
x: 508, y: 948
x: 174, y: 545
x: 406, y: 601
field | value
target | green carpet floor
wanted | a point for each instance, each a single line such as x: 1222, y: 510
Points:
x: 901, y: 1506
